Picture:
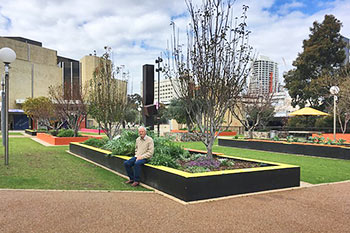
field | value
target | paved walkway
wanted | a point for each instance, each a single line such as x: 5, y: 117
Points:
x: 320, y: 208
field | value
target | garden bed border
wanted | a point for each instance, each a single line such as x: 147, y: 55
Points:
x: 30, y: 132
x: 319, y: 150
x: 198, y: 186
x: 58, y: 141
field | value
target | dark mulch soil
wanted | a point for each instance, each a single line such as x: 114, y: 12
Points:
x: 238, y: 164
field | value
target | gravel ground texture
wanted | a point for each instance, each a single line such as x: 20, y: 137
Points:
x: 320, y: 208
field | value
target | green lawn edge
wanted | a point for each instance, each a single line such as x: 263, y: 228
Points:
x: 314, y: 170
x: 34, y: 166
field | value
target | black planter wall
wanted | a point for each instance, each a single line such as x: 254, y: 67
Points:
x: 198, y: 186
x: 290, y: 148
x: 30, y: 132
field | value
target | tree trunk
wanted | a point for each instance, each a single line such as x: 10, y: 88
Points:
x: 250, y: 133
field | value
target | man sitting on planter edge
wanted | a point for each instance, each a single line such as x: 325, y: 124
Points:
x: 143, y: 151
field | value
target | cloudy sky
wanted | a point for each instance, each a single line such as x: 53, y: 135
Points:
x: 138, y: 30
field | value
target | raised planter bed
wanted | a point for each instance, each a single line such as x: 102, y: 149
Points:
x: 30, y: 132
x: 320, y: 150
x: 198, y: 186
x: 57, y: 141
x: 331, y: 136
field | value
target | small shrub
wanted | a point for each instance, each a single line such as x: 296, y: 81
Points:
x: 320, y: 140
x: 95, y: 142
x: 164, y: 160
x: 290, y: 138
x: 123, y: 145
x: 276, y: 138
x: 341, y: 141
x: 197, y: 169
x: 236, y: 137
x: 226, y: 162
x: 205, y: 162
x: 66, y: 133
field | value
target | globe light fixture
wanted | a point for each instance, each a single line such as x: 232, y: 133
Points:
x: 334, y: 90
x: 7, y: 56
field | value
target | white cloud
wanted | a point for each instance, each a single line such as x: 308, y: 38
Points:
x: 138, y: 30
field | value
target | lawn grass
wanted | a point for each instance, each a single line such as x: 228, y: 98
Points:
x: 90, y: 133
x: 314, y: 170
x: 34, y: 166
x: 15, y: 133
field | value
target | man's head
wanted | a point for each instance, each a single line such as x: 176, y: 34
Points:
x: 142, y: 131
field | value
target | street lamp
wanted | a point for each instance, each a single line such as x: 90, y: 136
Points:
x: 158, y: 70
x: 7, y: 56
x: 334, y: 90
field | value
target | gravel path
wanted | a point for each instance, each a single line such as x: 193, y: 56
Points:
x: 320, y: 208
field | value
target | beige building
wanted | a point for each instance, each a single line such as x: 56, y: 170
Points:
x: 166, y: 90
x: 88, y: 66
x: 33, y: 71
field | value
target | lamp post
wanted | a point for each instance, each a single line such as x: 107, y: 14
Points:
x: 334, y: 90
x: 158, y: 70
x: 140, y: 115
x: 7, y: 55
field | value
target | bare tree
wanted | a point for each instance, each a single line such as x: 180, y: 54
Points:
x: 343, y: 106
x: 340, y: 78
x: 70, y: 106
x: 211, y: 73
x: 253, y: 110
x: 107, y: 96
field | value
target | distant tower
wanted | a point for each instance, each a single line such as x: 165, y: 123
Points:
x: 264, y: 78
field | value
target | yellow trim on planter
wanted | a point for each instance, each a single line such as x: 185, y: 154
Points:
x: 199, y: 174
x: 215, y: 173
x: 93, y: 148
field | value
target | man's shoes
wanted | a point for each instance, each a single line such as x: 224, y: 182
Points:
x: 129, y: 182
x: 135, y: 184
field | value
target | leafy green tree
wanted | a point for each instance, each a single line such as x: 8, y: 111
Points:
x: 40, y: 109
x: 323, y: 53
x: 132, y: 114
x: 177, y: 111
x: 162, y: 116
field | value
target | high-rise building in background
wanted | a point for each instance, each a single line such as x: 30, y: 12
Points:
x: 264, y: 77
x: 166, y: 91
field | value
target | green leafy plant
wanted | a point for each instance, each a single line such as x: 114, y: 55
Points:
x: 164, y: 160
x: 340, y: 141
x: 95, y: 142
x: 66, y: 133
x: 236, y: 137
x: 320, y: 140
x: 226, y: 162
x: 276, y: 138
x: 197, y: 169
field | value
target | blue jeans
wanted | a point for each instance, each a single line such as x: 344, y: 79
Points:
x: 134, y: 174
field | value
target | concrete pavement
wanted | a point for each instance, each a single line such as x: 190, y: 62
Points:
x: 320, y: 208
